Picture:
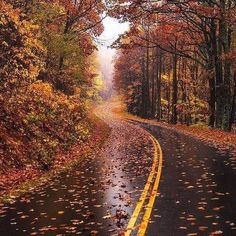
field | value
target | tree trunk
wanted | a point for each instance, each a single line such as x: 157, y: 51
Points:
x: 146, y: 87
x: 174, y: 91
x: 145, y: 93
x: 168, y: 96
x: 225, y: 35
x: 217, y: 52
x: 153, y: 89
x: 233, y: 105
x: 159, y: 74
x: 212, y: 99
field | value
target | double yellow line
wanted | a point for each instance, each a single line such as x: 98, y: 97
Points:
x: 148, y: 209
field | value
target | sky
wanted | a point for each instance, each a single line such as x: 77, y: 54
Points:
x: 112, y: 30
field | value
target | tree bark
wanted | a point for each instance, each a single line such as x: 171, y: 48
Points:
x: 233, y: 106
x: 159, y: 75
x: 174, y: 91
x: 145, y: 93
x: 219, y: 86
x: 225, y: 35
x: 154, y: 89
x: 212, y: 98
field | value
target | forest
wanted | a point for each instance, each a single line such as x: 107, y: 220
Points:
x: 177, y: 62
x: 49, y: 74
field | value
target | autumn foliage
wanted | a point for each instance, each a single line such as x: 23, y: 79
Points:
x: 46, y: 78
x: 186, y: 52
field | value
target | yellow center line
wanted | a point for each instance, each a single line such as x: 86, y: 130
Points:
x: 146, y: 217
x: 142, y: 198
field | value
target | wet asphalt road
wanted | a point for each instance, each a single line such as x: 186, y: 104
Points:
x: 197, y: 194
x: 197, y: 188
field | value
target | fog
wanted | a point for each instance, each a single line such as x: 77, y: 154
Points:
x: 112, y: 29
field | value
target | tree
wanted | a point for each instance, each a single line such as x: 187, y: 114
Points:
x: 203, y: 31
x: 21, y: 52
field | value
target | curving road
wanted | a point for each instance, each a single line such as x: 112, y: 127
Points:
x: 197, y: 189
x: 117, y: 191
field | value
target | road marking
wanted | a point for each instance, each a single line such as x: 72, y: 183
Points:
x: 143, y: 196
x: 147, y: 215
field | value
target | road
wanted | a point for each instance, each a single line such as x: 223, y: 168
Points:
x: 197, y: 193
x: 165, y: 184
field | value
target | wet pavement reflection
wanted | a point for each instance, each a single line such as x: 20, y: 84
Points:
x: 196, y: 194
